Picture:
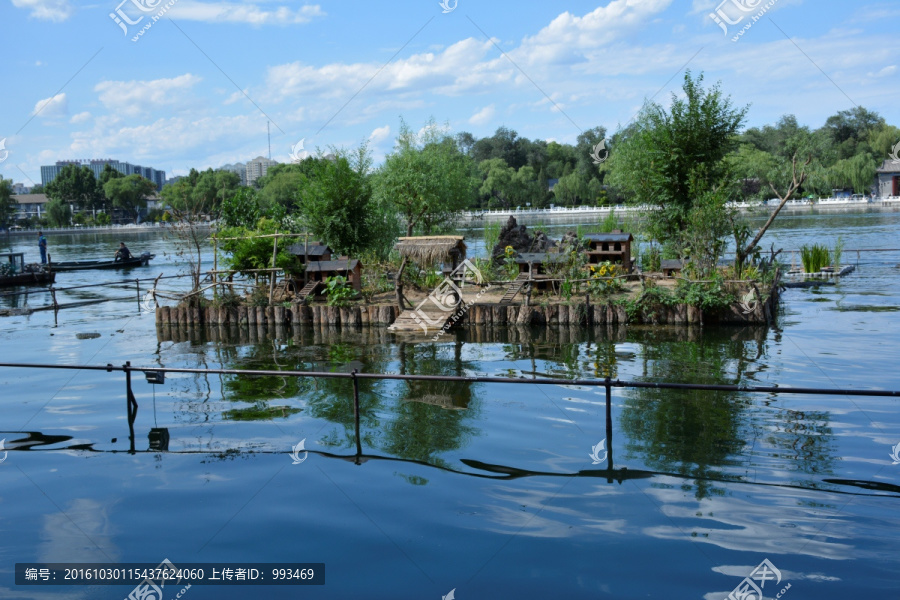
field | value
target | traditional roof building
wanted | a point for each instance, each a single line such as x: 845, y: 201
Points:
x: 887, y: 179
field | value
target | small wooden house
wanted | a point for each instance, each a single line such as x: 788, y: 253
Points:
x: 671, y: 267
x: 614, y: 247
x: 537, y: 264
x: 314, y: 250
x: 319, y: 270
x: 322, y: 265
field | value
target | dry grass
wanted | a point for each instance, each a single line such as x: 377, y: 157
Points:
x: 431, y: 250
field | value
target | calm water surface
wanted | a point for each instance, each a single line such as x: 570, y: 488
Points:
x: 488, y: 489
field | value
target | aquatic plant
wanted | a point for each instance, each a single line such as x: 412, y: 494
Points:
x: 814, y: 257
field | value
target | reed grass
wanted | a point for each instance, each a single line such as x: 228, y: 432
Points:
x: 814, y: 258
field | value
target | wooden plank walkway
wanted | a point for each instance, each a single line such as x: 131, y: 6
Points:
x: 428, y: 317
x: 514, y: 288
x: 308, y: 289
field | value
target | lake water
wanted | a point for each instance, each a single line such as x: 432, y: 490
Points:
x: 489, y: 490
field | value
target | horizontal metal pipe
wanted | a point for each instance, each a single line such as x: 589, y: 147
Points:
x: 92, y: 285
x: 544, y: 381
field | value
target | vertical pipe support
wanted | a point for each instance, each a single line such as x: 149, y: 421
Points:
x: 356, y: 412
x: 609, y: 444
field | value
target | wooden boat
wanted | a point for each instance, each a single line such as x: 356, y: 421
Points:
x: 14, y: 271
x: 81, y: 265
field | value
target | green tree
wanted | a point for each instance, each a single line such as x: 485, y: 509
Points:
x: 242, y: 209
x: 194, y: 201
x: 129, y: 193
x: 201, y: 193
x: 426, y: 179
x: 106, y: 175
x: 249, y: 250
x: 785, y: 176
x: 282, y: 183
x: 59, y: 213
x: 75, y: 185
x: 336, y: 203
x: 856, y: 172
x: 667, y: 159
x: 849, y: 130
x: 8, y: 204
x: 499, y: 181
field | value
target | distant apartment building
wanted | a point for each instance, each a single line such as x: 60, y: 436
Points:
x: 51, y: 172
x: 240, y: 169
x: 19, y: 189
x: 257, y: 168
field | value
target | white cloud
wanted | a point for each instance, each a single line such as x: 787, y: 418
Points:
x: 47, y: 10
x: 380, y: 134
x: 568, y: 36
x: 80, y: 117
x: 55, y: 106
x: 484, y: 115
x: 890, y: 70
x: 131, y: 98
x: 250, y: 13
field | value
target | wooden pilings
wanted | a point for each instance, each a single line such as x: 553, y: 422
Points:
x: 263, y: 319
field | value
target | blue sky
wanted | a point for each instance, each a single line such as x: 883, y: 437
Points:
x: 197, y: 88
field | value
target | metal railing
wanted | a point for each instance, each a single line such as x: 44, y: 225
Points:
x: 159, y: 436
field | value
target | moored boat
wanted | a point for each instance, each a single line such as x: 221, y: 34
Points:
x: 81, y: 265
x: 14, y: 271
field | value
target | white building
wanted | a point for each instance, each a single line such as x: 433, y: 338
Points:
x: 257, y: 168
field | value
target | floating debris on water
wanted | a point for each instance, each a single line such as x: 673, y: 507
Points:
x: 87, y: 336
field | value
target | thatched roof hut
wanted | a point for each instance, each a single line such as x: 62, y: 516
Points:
x: 429, y: 250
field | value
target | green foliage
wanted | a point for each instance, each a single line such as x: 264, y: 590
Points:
x: 251, y: 251
x: 708, y: 296
x: 649, y: 302
x: 241, y: 209
x: 8, y: 204
x: 426, y: 179
x: 491, y: 235
x: 336, y: 203
x: 259, y: 296
x: 814, y: 257
x: 610, y: 222
x: 669, y: 159
x: 504, y: 186
x: 605, y: 279
x: 201, y: 194
x: 229, y: 299
x: 58, y: 213
x: 75, y: 185
x: 129, y: 193
x: 102, y: 219
x: 838, y: 252
x: 856, y: 172
x: 338, y: 291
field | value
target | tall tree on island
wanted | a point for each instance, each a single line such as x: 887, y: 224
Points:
x: 427, y: 180
x: 673, y: 159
